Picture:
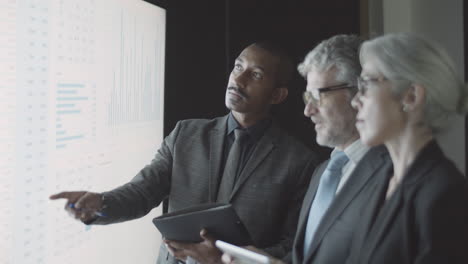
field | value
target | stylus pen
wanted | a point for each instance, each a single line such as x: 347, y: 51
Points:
x: 97, y: 213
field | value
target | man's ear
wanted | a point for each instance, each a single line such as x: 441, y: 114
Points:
x: 414, y: 98
x: 279, y: 95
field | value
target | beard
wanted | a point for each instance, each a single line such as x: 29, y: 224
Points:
x: 338, y: 135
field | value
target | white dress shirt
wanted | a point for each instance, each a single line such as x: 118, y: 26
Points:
x: 355, y: 152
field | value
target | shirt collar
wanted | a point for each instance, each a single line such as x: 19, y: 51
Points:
x: 255, y: 131
x: 231, y: 124
x: 355, y: 151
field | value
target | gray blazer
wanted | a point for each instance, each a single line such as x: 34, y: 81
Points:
x: 187, y: 169
x: 332, y: 240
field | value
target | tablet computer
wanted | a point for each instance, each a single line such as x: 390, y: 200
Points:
x: 220, y: 220
x: 242, y: 255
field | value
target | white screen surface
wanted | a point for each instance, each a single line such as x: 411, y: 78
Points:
x: 81, y: 108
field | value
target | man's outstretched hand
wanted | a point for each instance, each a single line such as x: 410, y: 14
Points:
x: 81, y: 205
x: 204, y: 252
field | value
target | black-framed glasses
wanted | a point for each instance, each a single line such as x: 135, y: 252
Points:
x: 314, y: 97
x: 363, y: 82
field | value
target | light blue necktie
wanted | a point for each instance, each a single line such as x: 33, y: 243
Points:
x: 324, y: 196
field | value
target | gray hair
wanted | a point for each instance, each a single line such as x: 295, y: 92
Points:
x: 341, y: 52
x: 407, y: 59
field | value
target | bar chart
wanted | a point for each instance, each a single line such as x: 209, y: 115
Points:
x: 135, y: 84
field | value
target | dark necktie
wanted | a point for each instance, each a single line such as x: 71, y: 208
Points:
x: 233, y: 166
x: 324, y: 196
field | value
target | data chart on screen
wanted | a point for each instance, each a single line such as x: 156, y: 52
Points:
x: 81, y: 108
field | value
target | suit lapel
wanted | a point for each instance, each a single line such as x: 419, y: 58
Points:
x: 364, y: 171
x: 385, y: 214
x: 304, y: 215
x: 371, y: 213
x: 383, y: 220
x: 217, y: 137
x: 261, y: 151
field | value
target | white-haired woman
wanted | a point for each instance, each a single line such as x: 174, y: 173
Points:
x: 408, y: 90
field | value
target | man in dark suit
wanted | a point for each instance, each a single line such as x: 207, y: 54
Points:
x: 330, y: 212
x: 193, y: 166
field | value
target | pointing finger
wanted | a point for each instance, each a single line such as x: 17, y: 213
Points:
x: 62, y: 195
x: 70, y: 196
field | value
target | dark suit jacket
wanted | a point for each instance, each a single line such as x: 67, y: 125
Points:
x: 267, y: 195
x: 332, y: 241
x: 424, y: 221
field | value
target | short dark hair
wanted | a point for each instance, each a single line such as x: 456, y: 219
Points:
x: 285, y: 64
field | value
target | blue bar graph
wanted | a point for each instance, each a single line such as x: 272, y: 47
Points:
x: 65, y: 105
x: 69, y: 138
x: 70, y: 85
x: 65, y: 112
x: 71, y: 99
x: 77, y: 98
x: 66, y: 91
x: 60, y: 146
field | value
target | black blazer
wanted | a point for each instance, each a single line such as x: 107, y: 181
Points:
x: 332, y: 241
x: 425, y: 220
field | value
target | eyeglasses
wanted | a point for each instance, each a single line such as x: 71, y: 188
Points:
x: 314, y: 97
x: 363, y: 82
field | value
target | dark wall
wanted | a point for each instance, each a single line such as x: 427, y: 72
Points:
x: 195, y: 59
x: 204, y: 37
